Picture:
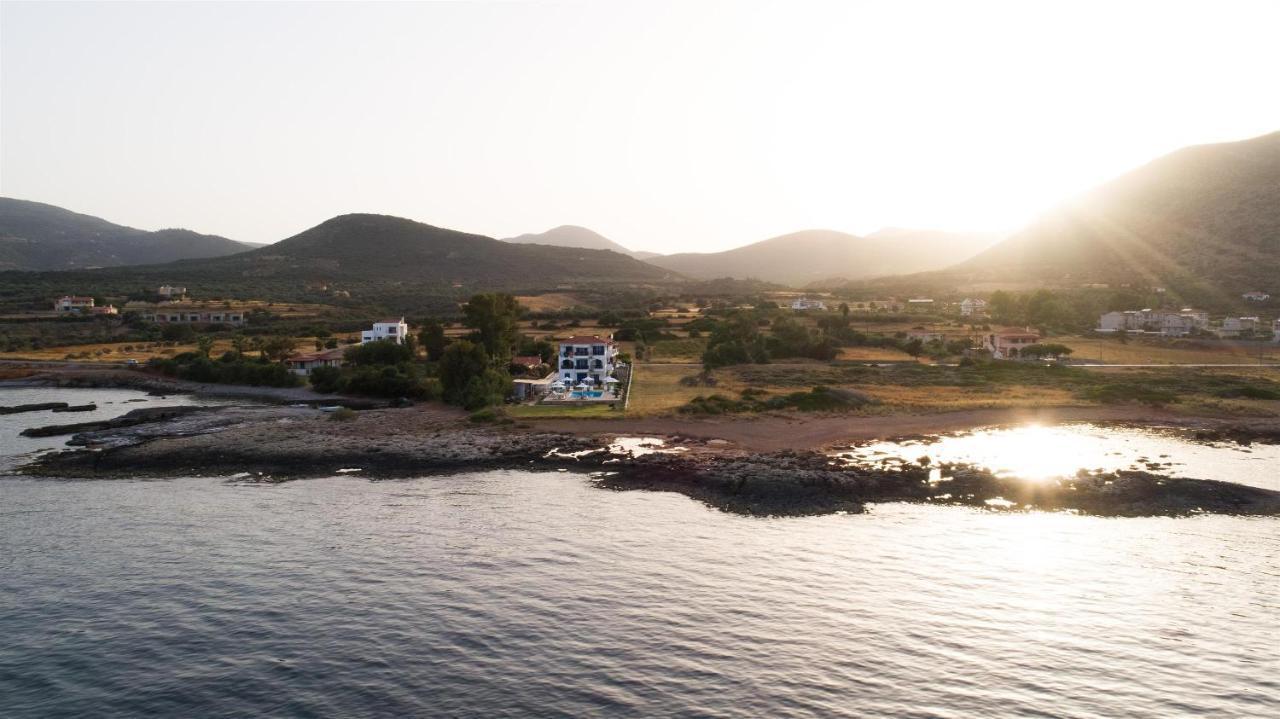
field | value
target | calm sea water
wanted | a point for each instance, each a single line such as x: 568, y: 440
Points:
x: 520, y: 594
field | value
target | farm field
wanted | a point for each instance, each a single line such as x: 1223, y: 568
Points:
x: 1178, y: 351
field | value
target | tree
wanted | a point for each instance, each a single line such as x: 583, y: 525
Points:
x: 238, y: 344
x: 204, y: 345
x: 493, y: 317
x: 277, y: 347
x: 432, y: 339
x: 844, y: 310
x: 461, y: 361
x: 1046, y: 349
x: 381, y: 352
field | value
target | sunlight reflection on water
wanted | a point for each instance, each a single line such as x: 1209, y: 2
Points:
x: 1038, y: 452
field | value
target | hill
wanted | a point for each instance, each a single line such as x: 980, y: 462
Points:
x: 376, y: 259
x: 810, y: 256
x: 575, y: 236
x: 1203, y: 221
x: 36, y: 236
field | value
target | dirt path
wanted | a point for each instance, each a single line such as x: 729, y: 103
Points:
x: 774, y: 433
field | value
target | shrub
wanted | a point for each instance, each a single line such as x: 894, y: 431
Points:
x: 343, y: 414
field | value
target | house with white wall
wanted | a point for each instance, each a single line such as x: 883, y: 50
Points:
x: 73, y: 304
x: 394, y: 330
x: 586, y: 359
x: 804, y: 303
x: 1008, y: 344
x: 1236, y: 326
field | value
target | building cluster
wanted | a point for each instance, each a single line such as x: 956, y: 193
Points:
x: 1181, y: 323
x: 193, y: 315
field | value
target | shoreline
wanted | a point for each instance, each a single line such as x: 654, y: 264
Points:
x: 759, y: 465
x: 286, y: 443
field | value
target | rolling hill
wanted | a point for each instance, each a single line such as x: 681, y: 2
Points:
x: 575, y: 236
x: 375, y: 258
x: 810, y: 256
x: 36, y: 236
x: 1204, y: 221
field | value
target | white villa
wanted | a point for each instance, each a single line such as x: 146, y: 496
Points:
x: 169, y: 292
x: 73, y: 303
x: 1255, y: 296
x: 395, y: 330
x: 586, y: 359
x: 804, y: 303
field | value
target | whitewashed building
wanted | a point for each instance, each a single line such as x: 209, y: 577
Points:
x: 586, y: 359
x: 1168, y: 324
x: 973, y: 307
x: 804, y: 303
x: 73, y: 304
x: 394, y: 330
x: 169, y: 292
x: 1255, y: 296
x: 1236, y: 326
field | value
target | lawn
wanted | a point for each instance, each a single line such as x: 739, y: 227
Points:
x: 551, y: 411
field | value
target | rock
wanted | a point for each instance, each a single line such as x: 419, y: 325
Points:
x: 38, y: 407
x: 77, y: 408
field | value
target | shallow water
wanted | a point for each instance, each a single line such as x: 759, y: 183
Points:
x: 111, y: 403
x: 514, y: 594
x: 1037, y: 452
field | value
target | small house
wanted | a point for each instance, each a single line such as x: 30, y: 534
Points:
x: 304, y: 363
x: 1009, y: 344
x: 804, y: 303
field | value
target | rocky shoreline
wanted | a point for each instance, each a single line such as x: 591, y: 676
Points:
x: 284, y: 443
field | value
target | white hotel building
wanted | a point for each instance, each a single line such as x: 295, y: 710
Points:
x: 586, y: 359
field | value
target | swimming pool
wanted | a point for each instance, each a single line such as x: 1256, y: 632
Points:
x: 586, y: 394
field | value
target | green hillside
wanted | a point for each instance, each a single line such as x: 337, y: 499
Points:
x: 36, y: 236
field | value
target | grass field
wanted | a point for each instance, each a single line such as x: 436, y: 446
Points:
x: 683, y: 351
x: 115, y: 352
x: 656, y: 388
x: 1176, y: 351
x: 874, y: 354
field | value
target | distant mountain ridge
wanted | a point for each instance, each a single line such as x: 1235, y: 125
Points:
x: 1204, y: 219
x: 373, y: 258
x: 576, y: 236
x: 809, y: 256
x: 37, y: 236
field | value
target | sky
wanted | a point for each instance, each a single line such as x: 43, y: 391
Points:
x: 682, y: 126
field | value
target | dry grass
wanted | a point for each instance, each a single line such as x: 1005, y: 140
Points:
x: 874, y: 354
x: 656, y: 388
x: 551, y: 302
x: 898, y: 398
x: 551, y: 411
x: 1186, y: 351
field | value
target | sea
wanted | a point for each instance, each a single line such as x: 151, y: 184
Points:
x: 539, y: 594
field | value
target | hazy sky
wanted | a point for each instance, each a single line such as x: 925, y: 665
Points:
x: 665, y: 126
